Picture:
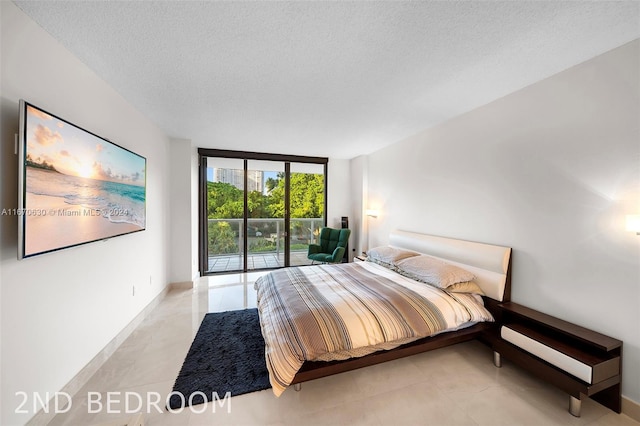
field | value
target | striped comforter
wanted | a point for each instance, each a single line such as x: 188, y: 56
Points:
x: 328, y: 312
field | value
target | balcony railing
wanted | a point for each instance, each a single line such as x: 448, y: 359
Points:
x: 265, y: 239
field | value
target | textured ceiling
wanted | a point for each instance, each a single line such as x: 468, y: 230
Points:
x: 335, y: 79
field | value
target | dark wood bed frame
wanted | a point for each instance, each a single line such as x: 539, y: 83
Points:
x: 592, y: 353
x: 311, y: 370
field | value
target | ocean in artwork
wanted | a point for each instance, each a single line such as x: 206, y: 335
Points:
x: 114, y: 201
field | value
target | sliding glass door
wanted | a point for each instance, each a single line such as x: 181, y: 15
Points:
x: 258, y: 211
x: 266, y: 229
x: 225, y: 189
x: 307, y: 207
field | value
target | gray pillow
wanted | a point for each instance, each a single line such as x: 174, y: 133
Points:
x: 433, y: 271
x: 388, y: 256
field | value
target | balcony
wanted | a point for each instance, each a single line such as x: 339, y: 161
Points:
x: 266, y: 243
x: 227, y: 263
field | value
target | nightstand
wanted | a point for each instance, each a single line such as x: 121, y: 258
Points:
x: 575, y: 359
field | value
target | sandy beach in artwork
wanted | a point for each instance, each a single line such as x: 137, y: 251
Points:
x: 51, y: 224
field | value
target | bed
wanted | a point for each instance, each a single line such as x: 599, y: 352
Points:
x: 327, y: 319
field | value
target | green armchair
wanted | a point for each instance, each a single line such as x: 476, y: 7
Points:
x: 333, y: 243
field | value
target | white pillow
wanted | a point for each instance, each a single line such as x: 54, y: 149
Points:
x: 388, y: 256
x: 433, y: 271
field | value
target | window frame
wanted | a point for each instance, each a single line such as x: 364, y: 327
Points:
x: 203, y: 153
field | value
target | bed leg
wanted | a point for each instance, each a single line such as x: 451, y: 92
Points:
x: 297, y: 387
x: 574, y: 405
x: 497, y: 359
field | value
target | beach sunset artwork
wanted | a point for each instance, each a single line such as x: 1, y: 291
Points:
x: 78, y: 187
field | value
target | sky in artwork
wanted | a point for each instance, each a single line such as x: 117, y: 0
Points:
x: 75, y: 152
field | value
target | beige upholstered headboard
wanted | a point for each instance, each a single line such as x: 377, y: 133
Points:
x: 489, y: 263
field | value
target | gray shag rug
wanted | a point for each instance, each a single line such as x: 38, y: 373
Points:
x: 227, y: 355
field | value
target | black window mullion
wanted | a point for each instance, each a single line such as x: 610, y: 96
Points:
x: 287, y: 213
x: 326, y: 197
x: 204, y: 218
x: 245, y: 238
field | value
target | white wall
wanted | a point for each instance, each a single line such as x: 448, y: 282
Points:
x: 181, y: 174
x: 359, y: 204
x: 59, y: 310
x: 338, y: 191
x: 551, y: 171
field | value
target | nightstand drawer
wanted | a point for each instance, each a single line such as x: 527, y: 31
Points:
x: 573, y: 358
x: 586, y: 367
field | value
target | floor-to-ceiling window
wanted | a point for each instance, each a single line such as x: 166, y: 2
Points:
x: 224, y: 194
x: 259, y: 211
x: 306, y: 208
x: 266, y: 227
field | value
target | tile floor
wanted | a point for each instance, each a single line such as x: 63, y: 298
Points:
x: 457, y: 385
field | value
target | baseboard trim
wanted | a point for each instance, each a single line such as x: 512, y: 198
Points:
x: 631, y: 408
x: 83, y: 376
